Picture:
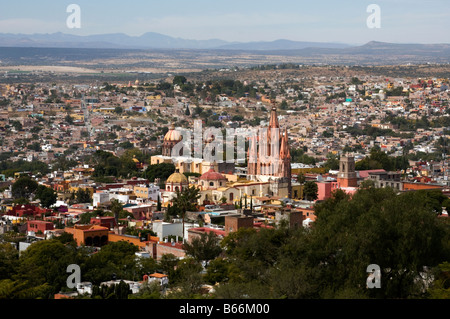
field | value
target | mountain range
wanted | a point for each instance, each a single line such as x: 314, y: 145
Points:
x: 150, y: 40
x: 49, y: 48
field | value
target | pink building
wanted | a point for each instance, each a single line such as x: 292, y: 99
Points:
x: 325, y: 189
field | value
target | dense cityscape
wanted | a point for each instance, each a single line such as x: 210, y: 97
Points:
x: 224, y: 160
x: 90, y: 178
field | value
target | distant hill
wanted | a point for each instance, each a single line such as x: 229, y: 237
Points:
x: 281, y: 45
x: 61, y: 49
x: 150, y: 40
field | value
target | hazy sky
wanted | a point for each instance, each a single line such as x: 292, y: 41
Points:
x: 402, y: 21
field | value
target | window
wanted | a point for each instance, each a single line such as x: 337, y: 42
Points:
x: 211, y: 184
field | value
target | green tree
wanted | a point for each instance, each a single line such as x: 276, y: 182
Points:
x: 204, y: 248
x: 9, y: 261
x: 116, y: 209
x: 158, y: 204
x: 43, y: 265
x: 217, y: 271
x: 179, y: 80
x: 118, y: 110
x: 47, y: 196
x: 115, y: 259
x: 376, y: 226
x: 186, y: 200
x: 162, y: 171
x: 83, y: 196
x: 148, y: 291
x: 440, y: 288
x: 310, y: 190
x: 187, y: 279
x: 24, y: 187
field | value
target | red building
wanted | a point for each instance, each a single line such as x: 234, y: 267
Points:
x: 28, y: 211
x: 39, y: 225
x: 107, y: 221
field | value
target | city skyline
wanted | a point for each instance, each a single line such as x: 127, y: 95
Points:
x: 325, y: 21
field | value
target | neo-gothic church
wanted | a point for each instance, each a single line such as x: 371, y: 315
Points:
x: 276, y: 165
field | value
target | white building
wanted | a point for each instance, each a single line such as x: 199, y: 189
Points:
x: 100, y: 198
x: 163, y: 229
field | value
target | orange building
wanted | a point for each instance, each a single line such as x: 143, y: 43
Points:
x: 89, y: 235
x: 418, y: 186
x: 130, y: 239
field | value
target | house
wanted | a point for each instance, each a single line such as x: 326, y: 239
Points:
x: 39, y: 226
x: 105, y: 221
x: 161, y: 279
x: 89, y: 235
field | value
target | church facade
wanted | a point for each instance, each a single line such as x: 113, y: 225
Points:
x: 269, y: 158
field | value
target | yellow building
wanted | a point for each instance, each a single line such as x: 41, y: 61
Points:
x: 154, y: 97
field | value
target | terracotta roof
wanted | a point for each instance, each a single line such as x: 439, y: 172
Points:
x: 212, y: 175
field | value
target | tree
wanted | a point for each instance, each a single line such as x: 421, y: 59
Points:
x: 400, y: 233
x: 217, y: 271
x: 376, y: 160
x: 440, y: 288
x: 204, y: 248
x: 310, y: 190
x: 148, y: 291
x: 186, y: 200
x: 116, y: 209
x: 43, y: 265
x: 168, y: 263
x: 9, y: 260
x: 188, y: 279
x: 158, y: 204
x: 83, y: 196
x: 24, y: 187
x: 47, y: 196
x: 161, y: 171
x: 332, y: 162
x: 69, y: 119
x: 179, y: 80
x: 118, y: 110
x: 117, y: 259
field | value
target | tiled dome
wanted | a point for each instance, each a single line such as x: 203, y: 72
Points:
x: 177, y: 178
x: 212, y: 175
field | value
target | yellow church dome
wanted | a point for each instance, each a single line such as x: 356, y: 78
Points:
x: 172, y: 135
x: 177, y: 178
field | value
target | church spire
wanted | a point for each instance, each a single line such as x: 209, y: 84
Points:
x: 284, y: 149
x: 273, y: 123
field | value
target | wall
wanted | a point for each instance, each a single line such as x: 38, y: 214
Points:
x: 233, y: 223
x: 163, y: 229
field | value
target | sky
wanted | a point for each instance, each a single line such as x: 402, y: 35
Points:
x: 344, y: 21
